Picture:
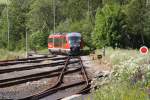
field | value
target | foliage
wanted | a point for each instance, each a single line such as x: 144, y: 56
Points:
x: 122, y: 23
x: 109, y: 26
x: 129, y: 79
x: 3, y: 29
x: 120, y: 91
x: 38, y: 40
x: 40, y: 16
x: 7, y: 55
x: 136, y: 19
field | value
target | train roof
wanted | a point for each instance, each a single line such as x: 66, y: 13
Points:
x: 58, y: 35
x: 74, y: 34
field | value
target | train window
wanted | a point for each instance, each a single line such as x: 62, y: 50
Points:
x: 74, y: 41
x: 50, y: 40
x: 64, y: 40
x: 57, y: 42
x: 74, y: 38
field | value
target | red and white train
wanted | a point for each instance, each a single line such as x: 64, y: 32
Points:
x: 61, y: 43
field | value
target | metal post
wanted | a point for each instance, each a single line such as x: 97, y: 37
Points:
x: 88, y: 8
x: 54, y: 13
x: 54, y: 20
x: 26, y: 43
x: 104, y: 51
x: 8, y: 25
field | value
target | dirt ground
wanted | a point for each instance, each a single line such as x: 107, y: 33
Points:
x: 95, y: 66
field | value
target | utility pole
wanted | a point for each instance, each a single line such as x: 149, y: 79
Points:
x: 88, y: 8
x: 54, y: 8
x: 54, y: 19
x: 8, y: 25
x: 26, y: 42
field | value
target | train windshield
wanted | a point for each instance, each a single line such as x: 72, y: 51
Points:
x: 50, y: 40
x: 74, y: 40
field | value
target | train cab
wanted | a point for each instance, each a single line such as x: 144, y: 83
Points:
x: 64, y: 43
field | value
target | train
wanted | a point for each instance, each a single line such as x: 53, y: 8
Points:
x: 65, y: 43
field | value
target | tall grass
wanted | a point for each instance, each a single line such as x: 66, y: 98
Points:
x: 8, y: 55
x: 125, y: 64
x: 120, y: 91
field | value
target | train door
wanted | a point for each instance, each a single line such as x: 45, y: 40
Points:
x: 50, y: 42
x: 57, y: 42
x: 64, y: 42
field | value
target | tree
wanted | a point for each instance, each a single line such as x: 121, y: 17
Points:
x: 3, y: 26
x: 40, y: 16
x: 109, y: 26
x: 17, y: 18
x: 38, y: 40
x: 147, y: 26
x: 135, y: 12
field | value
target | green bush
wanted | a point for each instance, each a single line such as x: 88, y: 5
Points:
x: 38, y: 40
x: 109, y: 26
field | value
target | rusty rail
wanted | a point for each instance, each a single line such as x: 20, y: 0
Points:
x: 58, y: 86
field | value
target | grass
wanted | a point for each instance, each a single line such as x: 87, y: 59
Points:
x: 124, y: 65
x: 43, y: 51
x: 8, y: 55
x: 123, y: 91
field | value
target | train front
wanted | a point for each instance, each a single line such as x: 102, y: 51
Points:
x: 75, y: 43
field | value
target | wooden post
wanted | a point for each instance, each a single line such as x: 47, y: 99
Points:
x: 104, y: 51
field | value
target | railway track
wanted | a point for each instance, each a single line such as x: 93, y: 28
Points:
x: 33, y: 77
x: 60, y: 73
x: 24, y: 59
x: 59, y: 87
x: 49, y: 93
x: 29, y: 60
x: 7, y: 70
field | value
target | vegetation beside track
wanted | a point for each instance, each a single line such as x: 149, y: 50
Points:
x: 130, y: 79
x: 8, y: 55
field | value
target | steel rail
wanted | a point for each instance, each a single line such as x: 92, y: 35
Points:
x: 24, y: 59
x: 20, y: 80
x: 58, y: 86
x: 30, y: 61
x: 52, y: 91
x: 7, y: 70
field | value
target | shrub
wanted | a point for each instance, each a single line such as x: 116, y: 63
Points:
x: 38, y: 40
